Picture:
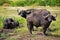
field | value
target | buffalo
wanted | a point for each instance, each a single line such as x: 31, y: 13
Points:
x: 38, y: 17
x: 10, y: 23
x: 25, y: 13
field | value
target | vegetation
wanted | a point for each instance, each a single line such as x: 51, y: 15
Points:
x: 22, y: 30
x: 5, y: 1
x: 30, y: 2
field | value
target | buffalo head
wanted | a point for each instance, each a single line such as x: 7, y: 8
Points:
x: 24, y: 13
x: 10, y: 23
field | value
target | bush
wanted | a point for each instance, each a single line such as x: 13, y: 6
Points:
x: 22, y: 3
x: 12, y: 3
x: 42, y: 3
x: 31, y: 2
x: 4, y: 1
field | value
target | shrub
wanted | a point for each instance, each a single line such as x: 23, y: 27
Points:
x: 22, y: 3
x: 4, y: 1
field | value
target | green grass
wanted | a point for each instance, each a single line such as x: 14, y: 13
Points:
x: 6, y: 13
x: 1, y: 22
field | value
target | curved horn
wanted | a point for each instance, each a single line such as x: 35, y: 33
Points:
x: 46, y: 16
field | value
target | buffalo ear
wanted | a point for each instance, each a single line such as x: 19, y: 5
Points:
x: 48, y: 19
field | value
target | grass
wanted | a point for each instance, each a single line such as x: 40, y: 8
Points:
x: 6, y: 13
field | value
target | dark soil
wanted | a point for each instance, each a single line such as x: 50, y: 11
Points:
x: 27, y: 36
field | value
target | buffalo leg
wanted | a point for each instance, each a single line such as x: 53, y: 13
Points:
x: 45, y: 28
x: 30, y: 27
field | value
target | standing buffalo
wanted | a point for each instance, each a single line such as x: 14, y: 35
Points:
x: 25, y: 13
x: 9, y: 23
x: 38, y: 18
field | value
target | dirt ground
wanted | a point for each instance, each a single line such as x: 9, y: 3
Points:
x: 36, y: 37
x: 27, y: 36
